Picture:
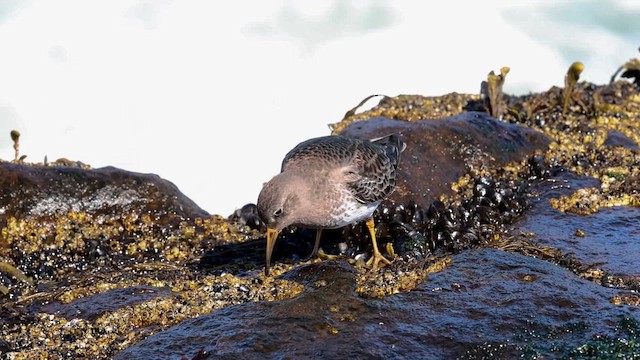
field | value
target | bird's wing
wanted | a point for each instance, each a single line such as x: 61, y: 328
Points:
x: 371, y: 174
x: 329, y: 149
x: 368, y: 168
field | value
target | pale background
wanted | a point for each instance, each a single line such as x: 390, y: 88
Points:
x: 211, y: 95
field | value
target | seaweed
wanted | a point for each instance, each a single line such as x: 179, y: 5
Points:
x: 492, y: 92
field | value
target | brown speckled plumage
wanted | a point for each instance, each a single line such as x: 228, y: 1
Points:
x: 330, y: 182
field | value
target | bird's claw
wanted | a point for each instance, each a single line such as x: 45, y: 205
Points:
x: 375, y: 260
x: 322, y: 255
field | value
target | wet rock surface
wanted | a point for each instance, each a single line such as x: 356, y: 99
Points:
x: 602, y: 246
x: 93, y: 307
x: 616, y: 138
x: 41, y: 191
x: 486, y: 303
x: 97, y: 275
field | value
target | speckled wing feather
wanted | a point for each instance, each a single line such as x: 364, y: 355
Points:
x: 370, y: 165
x: 328, y: 149
x: 376, y: 163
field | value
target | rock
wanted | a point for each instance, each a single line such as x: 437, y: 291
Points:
x: 616, y: 138
x: 37, y: 192
x: 486, y: 302
x: 56, y: 220
x: 92, y: 307
x: 602, y: 246
x: 441, y: 151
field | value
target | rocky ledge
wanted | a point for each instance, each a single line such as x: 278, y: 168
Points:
x: 513, y: 234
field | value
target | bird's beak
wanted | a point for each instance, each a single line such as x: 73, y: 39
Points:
x: 272, y: 235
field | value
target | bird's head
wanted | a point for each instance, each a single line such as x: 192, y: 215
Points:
x: 277, y: 204
x: 278, y: 201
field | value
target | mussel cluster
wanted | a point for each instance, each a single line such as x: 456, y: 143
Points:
x: 248, y: 215
x: 415, y: 231
x: 418, y: 232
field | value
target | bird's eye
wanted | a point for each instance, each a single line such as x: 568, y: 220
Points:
x: 277, y: 213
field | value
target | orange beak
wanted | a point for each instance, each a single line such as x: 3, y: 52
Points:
x: 272, y: 235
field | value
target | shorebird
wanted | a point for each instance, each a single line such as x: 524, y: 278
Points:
x: 330, y: 182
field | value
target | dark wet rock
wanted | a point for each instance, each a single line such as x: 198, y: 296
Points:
x: 604, y: 243
x: 441, y: 151
x: 40, y: 191
x: 605, y: 240
x: 4, y: 347
x: 248, y: 215
x: 92, y: 307
x: 519, y: 304
x: 243, y: 256
x: 293, y: 245
x: 616, y: 138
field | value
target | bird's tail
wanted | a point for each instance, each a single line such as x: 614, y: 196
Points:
x: 393, y: 145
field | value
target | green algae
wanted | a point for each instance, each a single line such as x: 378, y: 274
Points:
x: 624, y: 346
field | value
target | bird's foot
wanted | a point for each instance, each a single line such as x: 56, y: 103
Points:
x: 376, y: 259
x: 320, y: 255
x: 323, y: 256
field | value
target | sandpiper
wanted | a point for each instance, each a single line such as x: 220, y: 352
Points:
x: 330, y: 182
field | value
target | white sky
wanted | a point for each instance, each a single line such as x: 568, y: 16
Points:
x: 211, y: 95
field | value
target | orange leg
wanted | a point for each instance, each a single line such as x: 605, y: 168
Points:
x: 377, y: 256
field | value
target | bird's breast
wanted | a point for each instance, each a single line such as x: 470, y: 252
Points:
x: 350, y: 211
x: 330, y: 204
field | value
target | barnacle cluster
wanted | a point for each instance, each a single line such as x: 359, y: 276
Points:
x: 411, y: 108
x: 78, y: 241
x: 61, y: 330
x: 76, y: 255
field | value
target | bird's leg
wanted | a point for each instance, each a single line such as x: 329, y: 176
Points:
x: 377, y: 256
x: 314, y: 253
x: 317, y: 252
